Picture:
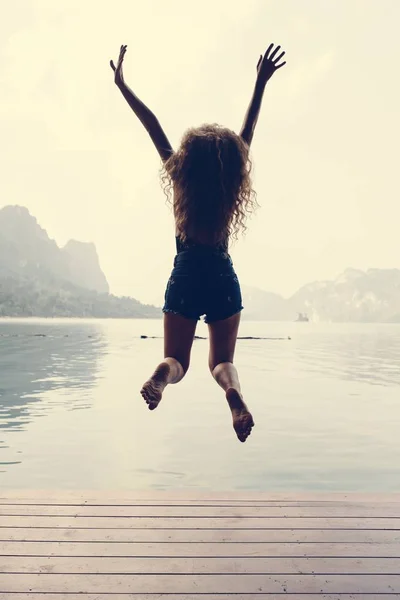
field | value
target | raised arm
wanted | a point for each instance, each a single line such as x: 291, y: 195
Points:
x: 144, y: 114
x: 266, y: 67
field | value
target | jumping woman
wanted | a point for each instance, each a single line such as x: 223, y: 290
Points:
x: 209, y: 176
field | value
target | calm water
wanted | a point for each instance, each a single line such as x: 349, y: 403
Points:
x: 326, y: 405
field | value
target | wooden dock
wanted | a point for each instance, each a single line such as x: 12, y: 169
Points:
x: 188, y: 546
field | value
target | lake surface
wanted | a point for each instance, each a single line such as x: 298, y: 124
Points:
x: 326, y: 405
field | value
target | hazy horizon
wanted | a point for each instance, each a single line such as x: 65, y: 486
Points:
x: 324, y: 151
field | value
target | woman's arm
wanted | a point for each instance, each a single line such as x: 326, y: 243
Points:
x: 266, y: 67
x: 144, y: 114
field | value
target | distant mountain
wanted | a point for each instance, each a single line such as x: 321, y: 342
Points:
x: 371, y: 296
x: 37, y: 278
x: 84, y: 266
x: 22, y: 297
x: 354, y: 296
x: 264, y: 306
x: 27, y: 250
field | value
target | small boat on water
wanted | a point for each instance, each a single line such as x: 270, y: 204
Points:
x: 302, y: 318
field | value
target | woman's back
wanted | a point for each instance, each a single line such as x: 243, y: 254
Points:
x: 210, y: 178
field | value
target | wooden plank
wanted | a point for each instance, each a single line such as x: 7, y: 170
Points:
x: 227, y: 502
x: 257, y: 596
x: 208, y: 550
x: 117, y: 496
x: 201, y: 512
x: 202, y: 523
x: 195, y: 565
x: 201, y: 584
x: 332, y: 546
x: 203, y: 536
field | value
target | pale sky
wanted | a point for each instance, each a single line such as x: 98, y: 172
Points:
x: 325, y: 150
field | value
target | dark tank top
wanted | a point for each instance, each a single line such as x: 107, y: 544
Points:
x: 182, y: 246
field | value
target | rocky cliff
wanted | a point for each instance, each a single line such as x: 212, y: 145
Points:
x: 354, y: 296
x: 84, y: 266
x: 37, y: 278
x: 27, y: 250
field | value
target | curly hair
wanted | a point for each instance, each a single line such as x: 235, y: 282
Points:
x: 209, y: 176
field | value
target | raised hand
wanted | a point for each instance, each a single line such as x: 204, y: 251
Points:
x: 118, y: 71
x: 269, y: 63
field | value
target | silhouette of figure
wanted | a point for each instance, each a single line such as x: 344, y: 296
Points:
x: 209, y: 175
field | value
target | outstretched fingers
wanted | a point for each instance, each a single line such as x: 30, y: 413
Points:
x: 268, y: 50
x: 272, y: 56
x: 277, y: 59
x: 121, y: 55
x: 122, y: 52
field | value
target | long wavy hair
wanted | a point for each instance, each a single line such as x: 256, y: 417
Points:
x: 209, y: 176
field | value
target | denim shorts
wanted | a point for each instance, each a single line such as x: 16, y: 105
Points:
x: 202, y: 285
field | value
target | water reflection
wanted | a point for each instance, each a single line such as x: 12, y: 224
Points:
x: 38, y: 357
x: 326, y: 407
x: 354, y: 356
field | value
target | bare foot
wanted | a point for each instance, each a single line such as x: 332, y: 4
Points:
x: 242, y: 419
x: 153, y: 388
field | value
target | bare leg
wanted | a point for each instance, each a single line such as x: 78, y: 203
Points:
x: 223, y: 335
x: 225, y: 374
x: 178, y: 338
x: 169, y: 371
